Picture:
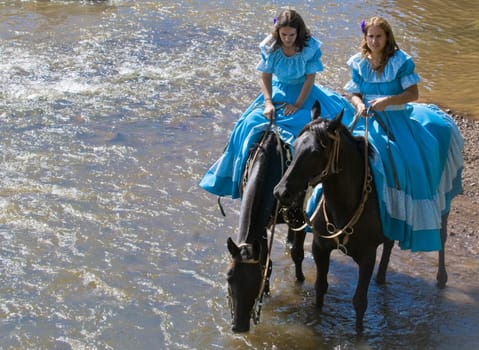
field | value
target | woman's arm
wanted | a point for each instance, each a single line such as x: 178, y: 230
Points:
x: 305, y: 90
x: 358, y: 104
x: 303, y: 95
x: 409, y: 95
x: 266, y: 89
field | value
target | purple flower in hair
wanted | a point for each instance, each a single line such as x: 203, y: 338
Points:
x: 275, y: 20
x: 363, y: 25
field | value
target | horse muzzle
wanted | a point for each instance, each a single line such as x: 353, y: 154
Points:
x: 243, y: 328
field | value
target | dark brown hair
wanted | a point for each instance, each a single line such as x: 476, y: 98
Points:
x: 290, y: 18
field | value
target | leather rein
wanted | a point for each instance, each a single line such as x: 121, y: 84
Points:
x: 332, y: 167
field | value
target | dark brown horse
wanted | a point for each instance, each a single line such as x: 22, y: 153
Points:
x: 348, y: 215
x: 248, y: 274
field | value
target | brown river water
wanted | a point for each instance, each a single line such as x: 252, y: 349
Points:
x: 111, y: 111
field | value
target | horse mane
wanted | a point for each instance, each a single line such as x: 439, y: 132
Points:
x: 264, y: 145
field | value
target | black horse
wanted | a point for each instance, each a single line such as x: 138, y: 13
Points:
x: 348, y: 215
x: 248, y: 274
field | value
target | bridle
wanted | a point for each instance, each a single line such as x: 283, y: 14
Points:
x: 332, y: 167
x: 244, y: 260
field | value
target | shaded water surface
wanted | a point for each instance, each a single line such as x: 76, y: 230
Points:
x: 111, y: 111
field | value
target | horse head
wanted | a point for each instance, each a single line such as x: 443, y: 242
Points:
x: 244, y: 282
x: 313, y: 157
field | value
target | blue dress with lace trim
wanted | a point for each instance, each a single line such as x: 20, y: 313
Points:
x: 289, y: 74
x: 422, y: 174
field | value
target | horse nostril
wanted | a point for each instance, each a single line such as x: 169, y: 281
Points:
x: 278, y: 192
x: 281, y: 194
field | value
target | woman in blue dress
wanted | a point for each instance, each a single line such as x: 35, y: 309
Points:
x: 419, y: 164
x: 290, y: 59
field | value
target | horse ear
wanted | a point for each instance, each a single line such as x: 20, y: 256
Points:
x: 256, y: 249
x: 232, y: 247
x: 336, y: 122
x: 316, y: 110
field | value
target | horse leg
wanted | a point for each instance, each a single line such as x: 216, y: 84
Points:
x: 360, y: 299
x: 441, y: 277
x: 291, y: 237
x: 383, y: 264
x: 321, y: 258
x: 297, y: 252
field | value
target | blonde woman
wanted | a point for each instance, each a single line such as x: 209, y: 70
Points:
x: 418, y: 168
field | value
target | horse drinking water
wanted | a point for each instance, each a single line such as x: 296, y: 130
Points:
x: 347, y: 216
x: 248, y: 274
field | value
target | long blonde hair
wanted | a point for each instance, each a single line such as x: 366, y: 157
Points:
x: 391, y: 45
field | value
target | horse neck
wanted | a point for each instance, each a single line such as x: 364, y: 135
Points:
x: 342, y: 191
x: 257, y: 201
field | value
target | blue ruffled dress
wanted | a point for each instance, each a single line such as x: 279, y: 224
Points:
x: 289, y: 74
x: 420, y: 175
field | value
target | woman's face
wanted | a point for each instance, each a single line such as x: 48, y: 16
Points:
x: 288, y: 36
x: 376, y: 39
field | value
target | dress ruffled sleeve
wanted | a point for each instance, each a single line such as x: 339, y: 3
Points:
x: 312, y: 55
x: 266, y: 63
x: 354, y: 85
x: 407, y: 75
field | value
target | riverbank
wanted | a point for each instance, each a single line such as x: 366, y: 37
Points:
x: 464, y: 217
